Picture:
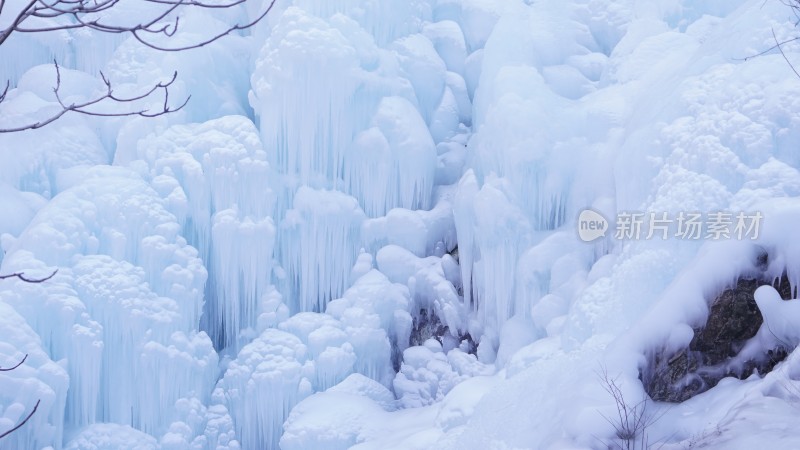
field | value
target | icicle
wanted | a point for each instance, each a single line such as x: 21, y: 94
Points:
x: 323, y: 226
x: 263, y: 384
x: 215, y: 176
x: 36, y: 379
x: 392, y: 164
x: 243, y: 265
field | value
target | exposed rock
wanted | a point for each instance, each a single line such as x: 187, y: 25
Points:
x: 714, y: 352
x: 733, y: 319
x: 427, y: 325
x: 454, y: 253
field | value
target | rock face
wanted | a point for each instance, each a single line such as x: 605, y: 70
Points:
x: 714, y: 352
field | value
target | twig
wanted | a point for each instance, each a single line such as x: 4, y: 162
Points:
x: 25, y: 420
x: 108, y: 95
x: 23, y: 277
x: 84, y: 14
x: 780, y: 47
x: 35, y: 407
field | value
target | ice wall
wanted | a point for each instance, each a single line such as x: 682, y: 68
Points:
x: 126, y: 301
x: 217, y: 182
x: 134, y: 245
x: 323, y: 226
x: 38, y: 382
x: 539, y: 66
x: 312, y: 352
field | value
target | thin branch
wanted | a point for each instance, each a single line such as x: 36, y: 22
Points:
x: 78, y: 13
x: 197, y: 4
x: 762, y: 53
x: 78, y: 9
x: 19, y: 425
x: 23, y: 277
x: 18, y: 364
x: 35, y: 407
x: 238, y: 27
x: 109, y: 95
x: 780, y: 47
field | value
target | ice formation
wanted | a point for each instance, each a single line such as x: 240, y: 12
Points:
x: 360, y: 232
x: 205, y: 172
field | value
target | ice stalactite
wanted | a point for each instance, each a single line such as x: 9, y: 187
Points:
x: 127, y: 298
x: 269, y: 376
x: 375, y: 314
x: 385, y: 20
x: 37, y: 382
x: 307, y: 69
x: 328, y: 347
x: 323, y: 226
x: 42, y: 49
x: 468, y: 252
x: 393, y: 163
x: 499, y: 232
x: 189, y: 362
x: 529, y: 161
x: 549, y: 272
x: 117, y: 296
x: 433, y: 293
x: 242, y: 262
x: 312, y: 352
x: 215, y: 179
x: 425, y: 69
x: 75, y: 336
x: 347, y: 86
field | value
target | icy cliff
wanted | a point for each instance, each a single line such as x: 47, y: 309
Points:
x: 362, y: 229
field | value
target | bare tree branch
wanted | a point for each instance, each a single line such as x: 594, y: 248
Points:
x: 108, y: 95
x: 780, y: 47
x: 794, y: 5
x: 30, y: 414
x: 238, y: 27
x: 762, y: 53
x: 25, y: 420
x: 633, y: 420
x: 23, y: 277
x: 83, y: 14
x: 79, y: 11
x: 18, y: 364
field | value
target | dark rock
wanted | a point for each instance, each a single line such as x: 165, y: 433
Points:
x: 714, y: 352
x: 734, y: 318
x: 427, y: 325
x: 454, y: 253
